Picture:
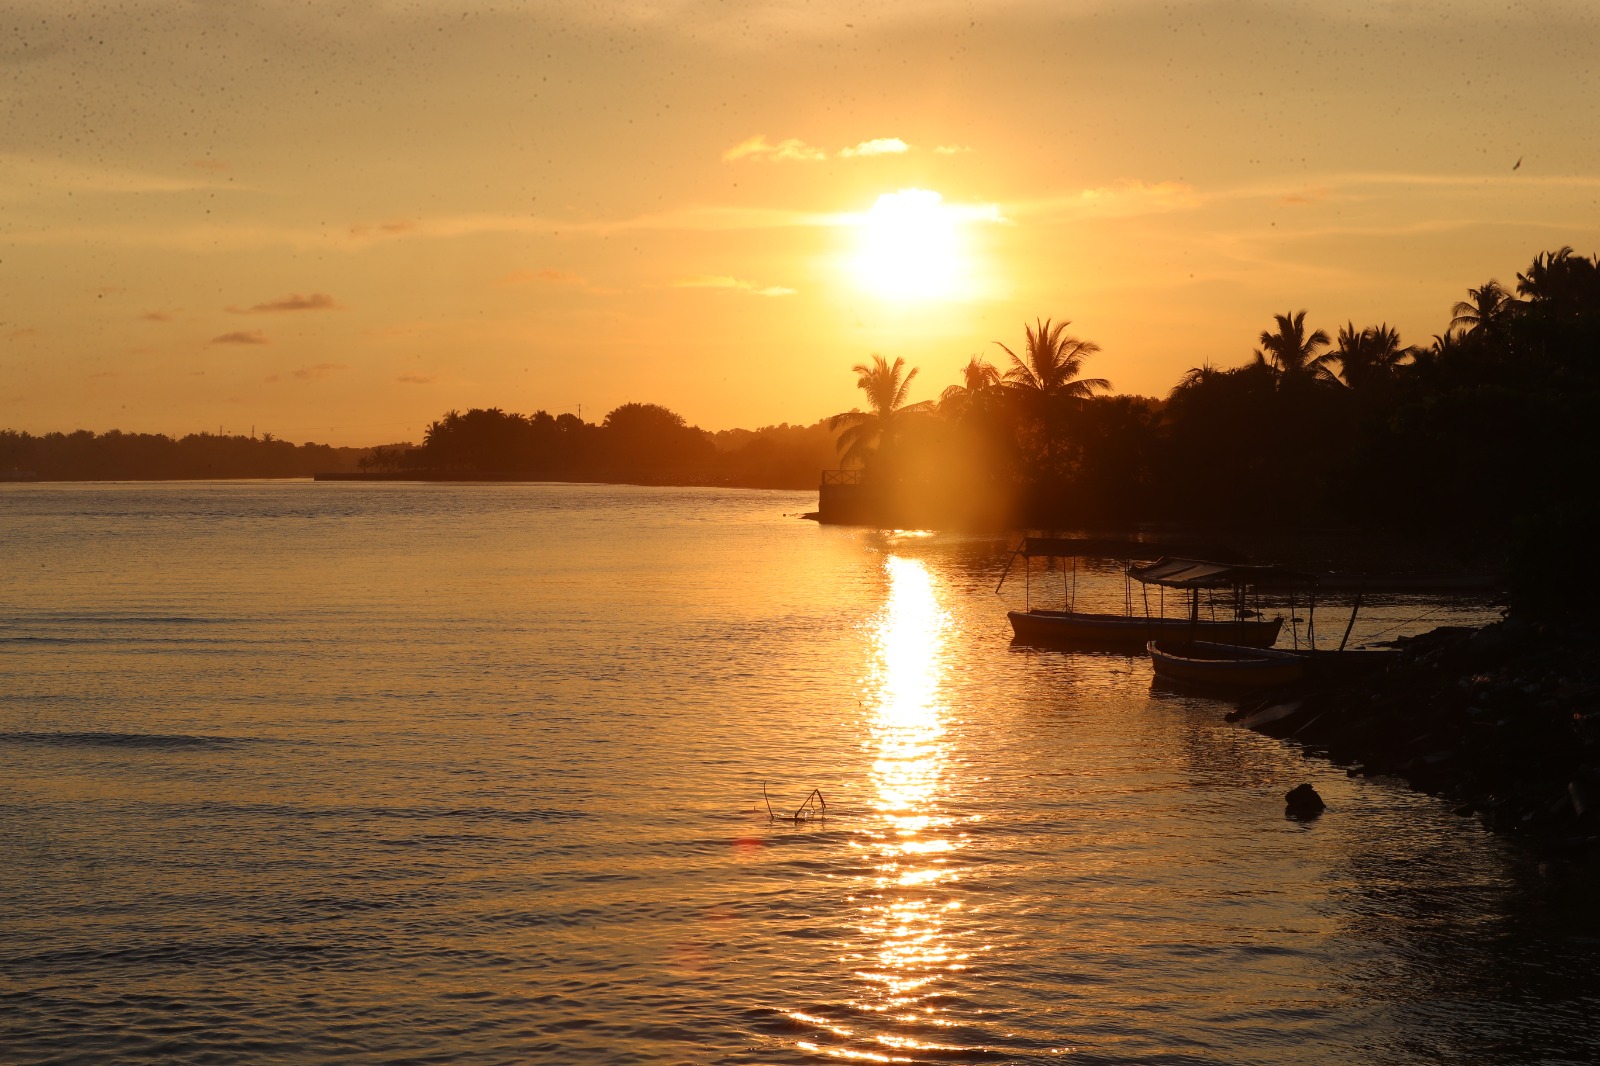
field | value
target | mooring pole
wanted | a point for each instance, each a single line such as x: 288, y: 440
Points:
x: 1348, y: 626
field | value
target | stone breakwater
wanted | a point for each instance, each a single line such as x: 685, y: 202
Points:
x: 1503, y: 721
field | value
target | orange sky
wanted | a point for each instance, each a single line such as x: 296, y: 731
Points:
x: 335, y: 222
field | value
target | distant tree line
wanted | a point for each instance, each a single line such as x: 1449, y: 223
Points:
x: 637, y: 442
x: 118, y: 456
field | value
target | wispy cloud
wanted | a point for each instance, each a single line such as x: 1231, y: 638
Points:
x: 1117, y: 199
x: 1120, y: 199
x: 1304, y: 197
x: 24, y: 174
x: 243, y: 336
x: 318, y: 370
x: 878, y: 146
x: 317, y: 301
x: 546, y: 276
x: 951, y: 149
x: 790, y: 150
x: 726, y: 281
x: 794, y: 150
x: 156, y: 316
x: 415, y: 379
x: 383, y: 229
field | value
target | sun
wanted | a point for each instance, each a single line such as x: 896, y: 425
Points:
x: 910, y: 248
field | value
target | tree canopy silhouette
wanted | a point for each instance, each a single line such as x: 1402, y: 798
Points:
x: 1292, y: 353
x: 868, y: 433
x: 1050, y: 363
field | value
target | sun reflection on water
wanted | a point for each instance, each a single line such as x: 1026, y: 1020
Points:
x: 905, y: 949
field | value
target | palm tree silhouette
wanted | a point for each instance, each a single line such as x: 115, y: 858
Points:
x: 1292, y: 354
x: 1198, y: 377
x: 866, y: 433
x: 1050, y: 363
x: 1561, y: 282
x: 1486, y: 308
x: 979, y: 378
x: 1368, y: 356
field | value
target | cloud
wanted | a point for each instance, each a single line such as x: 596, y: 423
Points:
x: 390, y: 229
x: 878, y: 146
x: 925, y: 199
x: 319, y: 370
x: 757, y: 148
x: 156, y: 316
x: 317, y: 301
x: 25, y: 174
x: 1300, y: 199
x: 795, y: 150
x: 415, y: 379
x: 547, y: 276
x: 951, y: 149
x: 243, y: 336
x: 726, y: 281
x: 1122, y: 199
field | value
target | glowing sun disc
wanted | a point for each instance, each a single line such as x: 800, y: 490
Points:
x: 910, y: 247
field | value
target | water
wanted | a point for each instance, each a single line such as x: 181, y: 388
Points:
x: 316, y: 773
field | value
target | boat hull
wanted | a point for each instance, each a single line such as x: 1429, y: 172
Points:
x: 1225, y: 665
x: 1131, y: 633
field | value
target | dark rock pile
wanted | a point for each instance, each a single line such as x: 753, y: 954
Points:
x: 1503, y: 721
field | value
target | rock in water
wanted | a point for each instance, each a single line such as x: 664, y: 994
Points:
x: 1302, y: 801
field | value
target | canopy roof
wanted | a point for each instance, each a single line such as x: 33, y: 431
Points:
x: 1102, y: 548
x: 1199, y: 574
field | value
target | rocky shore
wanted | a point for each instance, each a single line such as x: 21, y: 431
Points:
x: 1503, y: 722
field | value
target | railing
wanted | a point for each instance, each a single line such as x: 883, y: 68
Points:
x: 842, y: 477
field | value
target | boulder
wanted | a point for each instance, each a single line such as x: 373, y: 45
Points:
x: 1302, y: 801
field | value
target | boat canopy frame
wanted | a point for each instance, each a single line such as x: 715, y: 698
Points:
x: 1182, y: 573
x: 1179, y: 573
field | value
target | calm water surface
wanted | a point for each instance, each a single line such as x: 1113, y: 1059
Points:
x: 314, y: 773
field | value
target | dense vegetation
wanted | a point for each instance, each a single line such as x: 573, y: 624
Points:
x: 637, y: 442
x: 1490, y: 424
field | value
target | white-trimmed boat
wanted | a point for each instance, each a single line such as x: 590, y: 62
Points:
x: 1226, y: 617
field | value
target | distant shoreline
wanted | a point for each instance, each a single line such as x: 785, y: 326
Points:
x: 419, y: 477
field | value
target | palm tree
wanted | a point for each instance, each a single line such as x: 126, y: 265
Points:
x: 1561, y: 282
x: 1292, y: 354
x: 1051, y: 362
x: 1368, y: 356
x: 1486, y: 308
x: 977, y: 375
x: 979, y: 378
x: 868, y: 432
x: 1197, y: 377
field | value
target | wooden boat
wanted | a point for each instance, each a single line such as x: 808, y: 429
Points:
x: 1227, y: 584
x: 1230, y: 666
x: 1131, y: 632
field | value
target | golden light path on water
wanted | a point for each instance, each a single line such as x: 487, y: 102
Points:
x: 904, y: 950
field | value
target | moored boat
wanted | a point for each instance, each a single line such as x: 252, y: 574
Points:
x: 1225, y: 617
x: 1131, y: 632
x: 1229, y: 666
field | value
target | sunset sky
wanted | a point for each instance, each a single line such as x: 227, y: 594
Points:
x: 334, y: 222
